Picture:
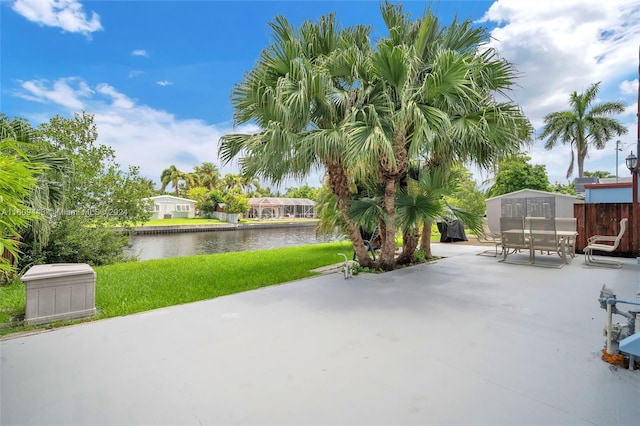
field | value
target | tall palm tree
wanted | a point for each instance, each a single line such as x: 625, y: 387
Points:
x: 324, y: 97
x: 250, y: 184
x: 192, y: 180
x: 583, y: 125
x: 431, y: 97
x: 299, y: 94
x: 232, y: 182
x: 173, y: 176
x: 209, y: 175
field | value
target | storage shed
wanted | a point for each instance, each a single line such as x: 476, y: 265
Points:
x: 281, y: 208
x: 528, y: 203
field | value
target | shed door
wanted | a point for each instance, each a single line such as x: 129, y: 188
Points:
x: 513, y: 207
x: 541, y: 207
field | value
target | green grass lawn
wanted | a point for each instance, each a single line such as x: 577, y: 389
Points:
x: 127, y: 288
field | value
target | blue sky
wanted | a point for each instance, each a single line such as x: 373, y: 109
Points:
x: 158, y: 75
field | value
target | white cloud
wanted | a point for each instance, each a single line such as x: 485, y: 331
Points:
x: 68, y: 92
x: 140, y: 52
x: 143, y: 136
x: 118, y: 100
x: 631, y: 109
x: 65, y: 14
x: 564, y: 46
x: 629, y: 87
x: 164, y: 83
x: 135, y: 73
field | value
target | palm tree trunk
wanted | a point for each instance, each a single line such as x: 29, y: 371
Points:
x: 388, y: 248
x: 581, y: 157
x: 339, y: 184
x: 409, y: 244
x: 425, y: 241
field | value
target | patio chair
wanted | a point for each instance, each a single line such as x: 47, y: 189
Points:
x: 544, y: 237
x: 596, y: 243
x: 488, y: 237
x: 567, y: 228
x: 513, y: 236
x: 372, y: 243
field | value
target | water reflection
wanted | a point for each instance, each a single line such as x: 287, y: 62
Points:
x: 192, y: 243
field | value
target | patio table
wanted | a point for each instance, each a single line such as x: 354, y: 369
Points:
x: 538, y: 233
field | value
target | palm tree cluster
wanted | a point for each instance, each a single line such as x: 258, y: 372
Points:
x: 387, y: 121
x: 172, y: 175
x: 208, y: 188
x: 207, y: 176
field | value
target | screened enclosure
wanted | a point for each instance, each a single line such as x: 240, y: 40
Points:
x: 281, y: 208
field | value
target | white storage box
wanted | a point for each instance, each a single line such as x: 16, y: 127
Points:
x: 59, y: 291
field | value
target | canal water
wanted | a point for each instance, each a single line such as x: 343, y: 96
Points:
x: 160, y: 246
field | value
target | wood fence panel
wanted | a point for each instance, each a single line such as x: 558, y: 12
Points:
x: 579, y: 212
x: 604, y: 219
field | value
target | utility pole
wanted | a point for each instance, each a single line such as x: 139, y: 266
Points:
x: 618, y: 148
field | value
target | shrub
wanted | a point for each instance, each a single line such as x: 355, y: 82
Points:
x: 236, y: 202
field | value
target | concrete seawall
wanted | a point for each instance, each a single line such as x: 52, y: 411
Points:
x: 173, y: 229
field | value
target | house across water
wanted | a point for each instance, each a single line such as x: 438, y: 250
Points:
x: 169, y: 206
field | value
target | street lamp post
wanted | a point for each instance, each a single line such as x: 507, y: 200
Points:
x: 632, y: 164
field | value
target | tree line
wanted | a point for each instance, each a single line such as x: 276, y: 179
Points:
x: 209, y: 188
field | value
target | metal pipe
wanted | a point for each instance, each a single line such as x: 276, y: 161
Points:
x: 608, y: 327
x: 347, y: 270
x: 613, y: 301
x: 632, y: 358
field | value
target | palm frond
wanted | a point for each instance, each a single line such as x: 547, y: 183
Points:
x: 414, y: 209
x: 367, y: 212
x: 470, y: 220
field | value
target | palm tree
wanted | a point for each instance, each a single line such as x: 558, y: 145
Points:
x: 432, y: 97
x: 299, y: 94
x: 173, y: 176
x: 323, y: 97
x: 192, y: 180
x: 47, y: 193
x: 583, y: 125
x: 425, y: 203
x: 233, y: 182
x: 209, y: 175
x: 251, y: 185
x: 16, y: 180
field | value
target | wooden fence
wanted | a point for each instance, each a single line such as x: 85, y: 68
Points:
x: 604, y: 219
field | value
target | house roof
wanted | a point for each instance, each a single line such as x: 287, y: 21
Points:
x: 172, y: 197
x: 537, y: 192
x: 275, y: 201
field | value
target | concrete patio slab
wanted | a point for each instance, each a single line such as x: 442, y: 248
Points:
x: 464, y: 340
